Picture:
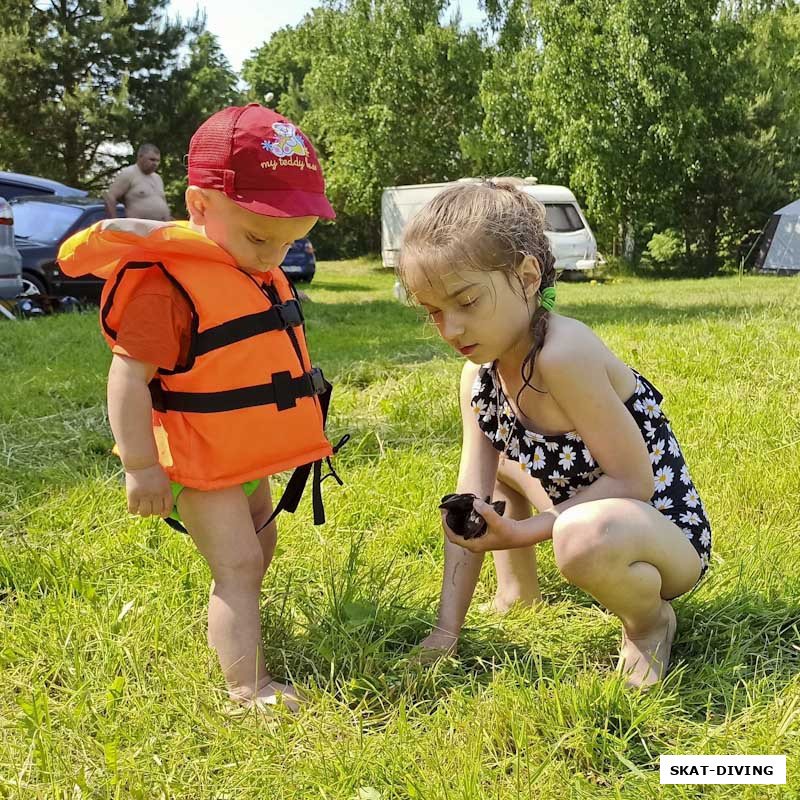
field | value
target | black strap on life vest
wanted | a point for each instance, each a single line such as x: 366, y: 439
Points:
x: 278, y: 318
x: 283, y: 390
x: 297, y: 483
x: 290, y: 498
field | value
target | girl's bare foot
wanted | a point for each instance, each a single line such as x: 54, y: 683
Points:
x: 270, y: 696
x: 502, y: 604
x: 438, y: 644
x: 644, y: 659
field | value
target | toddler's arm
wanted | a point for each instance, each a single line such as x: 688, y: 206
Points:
x: 130, y: 415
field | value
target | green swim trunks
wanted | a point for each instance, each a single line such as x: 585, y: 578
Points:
x: 249, y: 487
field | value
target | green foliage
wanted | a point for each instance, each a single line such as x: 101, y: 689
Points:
x: 631, y: 98
x: 676, y: 116
x: 78, y: 77
x: 66, y: 71
x: 280, y: 66
x: 660, y: 115
x: 664, y: 247
x: 509, y: 141
x: 199, y: 85
x: 385, y: 91
x: 673, y: 115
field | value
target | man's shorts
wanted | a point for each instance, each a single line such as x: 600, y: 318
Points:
x: 249, y: 487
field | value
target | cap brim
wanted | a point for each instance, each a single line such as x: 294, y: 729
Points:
x: 292, y: 203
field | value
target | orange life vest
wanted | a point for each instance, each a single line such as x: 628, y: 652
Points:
x: 247, y: 403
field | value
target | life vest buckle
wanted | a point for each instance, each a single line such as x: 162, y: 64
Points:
x: 289, y: 314
x: 317, y: 380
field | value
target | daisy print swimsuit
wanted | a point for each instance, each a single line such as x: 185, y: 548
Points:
x: 564, y: 465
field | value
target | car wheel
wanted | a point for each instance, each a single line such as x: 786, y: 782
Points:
x: 32, y: 285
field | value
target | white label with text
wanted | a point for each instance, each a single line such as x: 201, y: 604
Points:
x: 723, y: 769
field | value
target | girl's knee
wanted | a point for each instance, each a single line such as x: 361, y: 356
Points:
x: 520, y: 487
x: 517, y: 505
x: 510, y: 478
x: 583, y: 542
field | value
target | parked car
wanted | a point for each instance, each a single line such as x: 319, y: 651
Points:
x: 41, y: 225
x: 15, y: 184
x: 300, y: 263
x: 10, y: 259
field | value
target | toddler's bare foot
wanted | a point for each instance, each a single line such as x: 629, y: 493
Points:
x: 644, y: 659
x: 269, y: 696
x: 502, y: 604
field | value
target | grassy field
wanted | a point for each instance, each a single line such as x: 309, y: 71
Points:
x: 108, y: 688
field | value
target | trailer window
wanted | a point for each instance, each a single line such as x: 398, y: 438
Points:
x: 562, y: 218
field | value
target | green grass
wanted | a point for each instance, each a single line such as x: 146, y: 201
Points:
x: 108, y: 688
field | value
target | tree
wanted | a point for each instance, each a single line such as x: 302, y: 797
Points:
x: 768, y: 140
x: 676, y: 116
x: 66, y: 70
x: 510, y: 138
x: 385, y: 91
x: 280, y: 66
x: 168, y: 111
x: 633, y: 92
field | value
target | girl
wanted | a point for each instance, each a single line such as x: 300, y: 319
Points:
x: 551, y: 419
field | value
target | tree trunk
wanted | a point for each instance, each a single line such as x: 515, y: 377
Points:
x: 629, y: 242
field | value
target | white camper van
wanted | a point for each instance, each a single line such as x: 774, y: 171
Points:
x: 571, y: 238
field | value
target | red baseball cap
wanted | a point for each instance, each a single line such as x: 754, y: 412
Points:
x: 261, y: 160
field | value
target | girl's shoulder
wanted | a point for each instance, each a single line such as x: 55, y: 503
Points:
x: 574, y: 355
x: 470, y: 378
x: 570, y: 342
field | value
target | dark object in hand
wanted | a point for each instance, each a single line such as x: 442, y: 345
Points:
x: 462, y: 519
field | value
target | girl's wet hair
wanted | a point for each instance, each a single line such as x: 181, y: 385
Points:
x: 490, y: 225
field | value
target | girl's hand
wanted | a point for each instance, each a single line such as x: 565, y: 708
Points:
x: 502, y: 533
x: 149, y: 491
x: 438, y: 644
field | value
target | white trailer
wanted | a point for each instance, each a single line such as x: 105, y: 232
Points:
x: 571, y: 239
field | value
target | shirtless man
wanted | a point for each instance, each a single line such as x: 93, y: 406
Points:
x: 139, y: 188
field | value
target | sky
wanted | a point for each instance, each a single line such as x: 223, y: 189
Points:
x: 239, y: 28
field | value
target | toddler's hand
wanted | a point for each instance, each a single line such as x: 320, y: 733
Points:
x: 149, y: 491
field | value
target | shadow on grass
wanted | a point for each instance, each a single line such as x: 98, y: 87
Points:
x: 733, y: 641
x: 722, y: 643
x: 366, y: 656
x: 604, y: 312
x: 364, y: 624
x: 360, y: 636
x: 332, y: 286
